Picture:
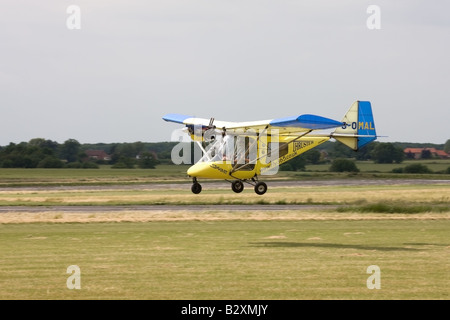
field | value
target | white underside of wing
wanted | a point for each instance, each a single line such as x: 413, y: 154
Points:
x: 229, y: 125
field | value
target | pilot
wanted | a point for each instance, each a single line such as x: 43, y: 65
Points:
x: 223, y: 148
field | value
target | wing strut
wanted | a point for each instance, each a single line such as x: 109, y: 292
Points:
x: 235, y: 167
x: 203, y: 150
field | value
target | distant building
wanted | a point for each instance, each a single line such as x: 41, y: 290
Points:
x: 97, y: 155
x: 416, y: 153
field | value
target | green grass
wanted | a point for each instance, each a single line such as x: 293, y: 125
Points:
x: 103, y: 176
x: 400, y: 195
x: 380, y: 207
x: 436, y: 165
x: 212, y: 256
x: 226, y: 259
x: 174, y: 174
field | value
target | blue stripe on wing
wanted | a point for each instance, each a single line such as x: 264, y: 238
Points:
x: 306, y: 121
x: 177, y: 118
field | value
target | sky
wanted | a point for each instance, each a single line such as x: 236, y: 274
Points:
x: 130, y: 62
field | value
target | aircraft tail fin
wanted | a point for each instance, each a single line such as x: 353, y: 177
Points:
x: 359, y: 126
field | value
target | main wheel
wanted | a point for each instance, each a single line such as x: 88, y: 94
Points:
x: 196, y: 188
x: 260, y: 188
x: 237, y: 186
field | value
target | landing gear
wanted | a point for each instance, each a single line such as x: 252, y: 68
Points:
x: 237, y: 186
x: 196, y: 187
x: 260, y: 188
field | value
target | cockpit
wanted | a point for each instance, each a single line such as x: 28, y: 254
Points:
x: 232, y: 149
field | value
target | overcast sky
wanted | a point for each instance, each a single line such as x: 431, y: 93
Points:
x: 134, y: 61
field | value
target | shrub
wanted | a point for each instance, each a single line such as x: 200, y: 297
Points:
x: 73, y: 165
x: 286, y: 167
x: 343, y: 165
x: 124, y: 163
x: 417, y: 168
x: 90, y: 165
x: 50, y: 162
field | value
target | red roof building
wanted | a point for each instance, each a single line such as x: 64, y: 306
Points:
x: 416, y: 153
x: 97, y: 155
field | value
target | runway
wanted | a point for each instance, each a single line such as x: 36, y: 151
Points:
x: 196, y: 207
x: 144, y: 208
x: 225, y: 185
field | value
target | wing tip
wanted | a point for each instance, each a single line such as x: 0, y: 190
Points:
x: 175, y: 117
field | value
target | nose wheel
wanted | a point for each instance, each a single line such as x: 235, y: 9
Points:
x: 196, y: 187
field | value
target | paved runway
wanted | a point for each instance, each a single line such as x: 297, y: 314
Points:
x: 207, y: 185
x: 222, y: 207
x: 226, y: 185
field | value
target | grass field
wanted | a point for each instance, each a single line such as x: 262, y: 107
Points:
x: 436, y: 165
x: 227, y: 259
x: 316, y: 253
x: 435, y: 195
x: 174, y: 174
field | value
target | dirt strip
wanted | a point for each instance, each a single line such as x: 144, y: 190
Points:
x: 205, y: 215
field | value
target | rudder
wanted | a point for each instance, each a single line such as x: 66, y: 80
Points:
x: 359, y: 126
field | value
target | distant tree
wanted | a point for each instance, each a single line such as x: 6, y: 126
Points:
x: 114, y: 152
x: 147, y: 160
x: 312, y: 156
x: 447, y: 146
x: 410, y: 155
x: 124, y: 163
x: 70, y: 150
x: 44, y: 144
x: 296, y: 164
x: 286, y: 167
x: 387, y: 153
x: 50, y: 162
x: 365, y: 153
x: 425, y: 154
x: 343, y: 165
x: 340, y: 150
x: 34, y: 154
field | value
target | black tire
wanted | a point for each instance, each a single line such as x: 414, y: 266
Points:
x: 196, y: 188
x: 237, y: 186
x: 260, y: 188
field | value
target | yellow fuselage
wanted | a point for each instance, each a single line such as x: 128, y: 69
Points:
x: 288, y: 150
x: 220, y: 170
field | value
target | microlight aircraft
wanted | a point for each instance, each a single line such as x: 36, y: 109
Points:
x: 242, y: 152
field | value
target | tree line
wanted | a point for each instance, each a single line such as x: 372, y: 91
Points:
x: 43, y: 153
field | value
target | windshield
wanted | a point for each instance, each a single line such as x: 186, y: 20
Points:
x: 234, y: 149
